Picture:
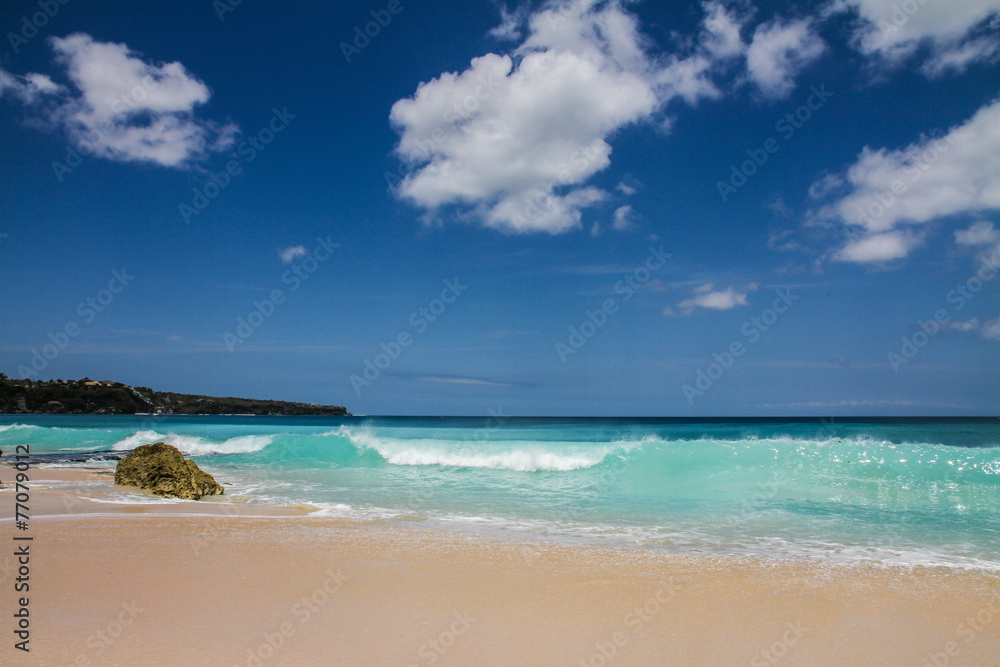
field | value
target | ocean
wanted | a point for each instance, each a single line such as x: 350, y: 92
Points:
x: 901, y: 491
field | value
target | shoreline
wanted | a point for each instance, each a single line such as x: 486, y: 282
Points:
x: 235, y: 584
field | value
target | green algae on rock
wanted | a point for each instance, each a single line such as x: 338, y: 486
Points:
x: 161, y: 469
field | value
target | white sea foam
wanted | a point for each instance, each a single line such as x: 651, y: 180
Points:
x: 521, y: 460
x: 498, y: 455
x: 194, y: 445
x: 136, y: 439
x: 18, y: 427
x: 335, y: 510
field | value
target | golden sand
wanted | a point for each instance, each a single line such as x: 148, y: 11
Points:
x: 114, y: 586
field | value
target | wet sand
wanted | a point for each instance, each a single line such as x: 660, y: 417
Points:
x: 206, y: 583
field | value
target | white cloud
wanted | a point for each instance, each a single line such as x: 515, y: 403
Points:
x: 780, y: 241
x: 511, y: 24
x: 515, y: 138
x: 825, y: 186
x: 778, y: 52
x: 883, y: 247
x: 290, y: 254
x: 121, y: 107
x: 776, y: 203
x: 688, y: 78
x: 532, y: 135
x: 989, y: 330
x: 511, y: 141
x: 721, y: 36
x: 29, y: 89
x: 980, y: 233
x: 626, y: 189
x: 708, y: 299
x: 932, y: 178
x: 893, y: 31
x: 967, y: 325
x: 960, y: 57
x: 624, y: 219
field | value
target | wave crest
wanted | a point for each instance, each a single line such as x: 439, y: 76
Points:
x: 497, y: 455
x: 194, y: 445
x: 18, y: 427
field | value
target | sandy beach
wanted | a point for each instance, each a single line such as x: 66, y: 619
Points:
x: 213, y: 583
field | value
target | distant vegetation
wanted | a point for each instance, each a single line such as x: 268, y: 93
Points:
x: 88, y: 396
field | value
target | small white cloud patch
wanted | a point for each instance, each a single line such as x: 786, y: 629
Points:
x: 624, y: 220
x: 290, y: 254
x: 707, y: 298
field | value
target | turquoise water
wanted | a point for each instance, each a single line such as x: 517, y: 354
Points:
x: 901, y: 491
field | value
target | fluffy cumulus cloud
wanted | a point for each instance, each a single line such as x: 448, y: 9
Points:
x: 119, y: 106
x: 957, y: 33
x: 512, y: 141
x: 890, y: 193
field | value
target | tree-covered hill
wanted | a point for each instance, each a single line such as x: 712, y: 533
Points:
x: 88, y: 396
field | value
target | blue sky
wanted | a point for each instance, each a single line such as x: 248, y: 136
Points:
x: 570, y: 208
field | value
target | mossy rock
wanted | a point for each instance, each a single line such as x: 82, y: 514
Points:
x: 162, y: 470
